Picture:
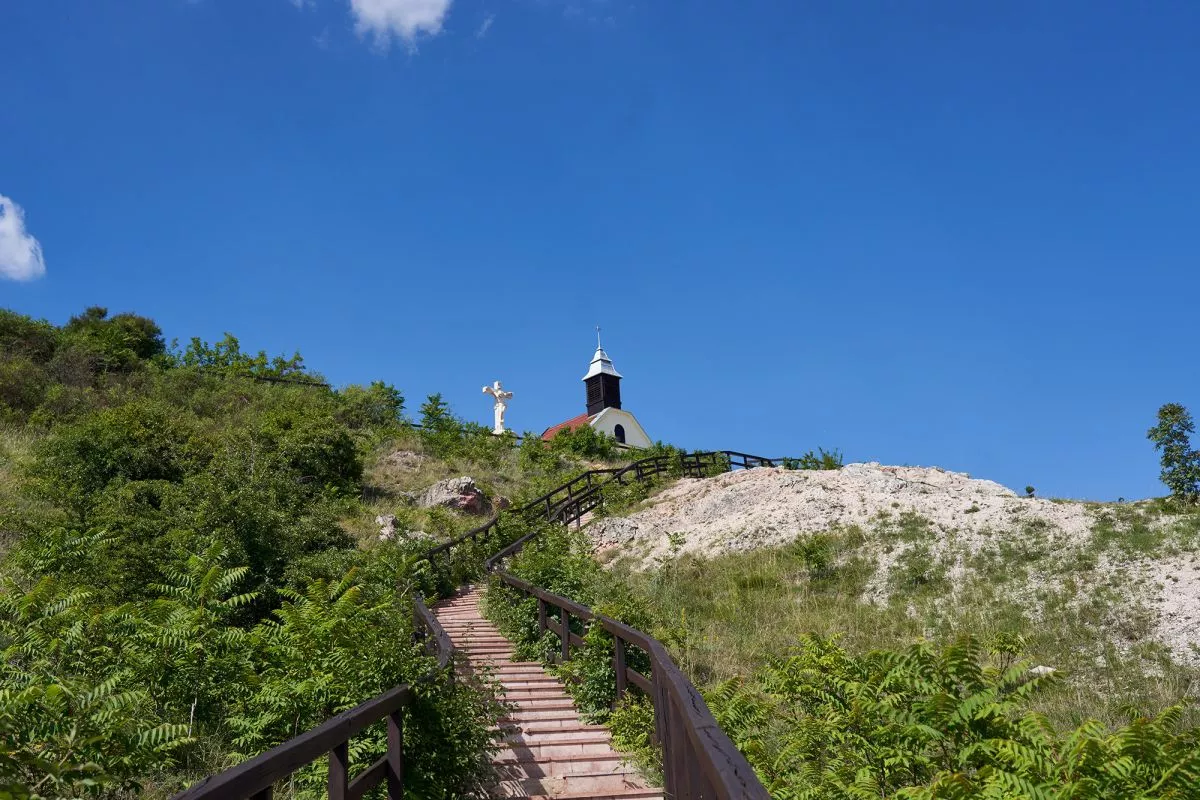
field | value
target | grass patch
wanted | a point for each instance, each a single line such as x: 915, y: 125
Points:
x: 726, y: 616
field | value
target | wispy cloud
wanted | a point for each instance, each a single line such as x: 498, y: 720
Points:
x: 20, y: 254
x: 485, y: 26
x: 321, y: 40
x: 386, y: 20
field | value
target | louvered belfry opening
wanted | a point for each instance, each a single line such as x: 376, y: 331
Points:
x: 603, y: 391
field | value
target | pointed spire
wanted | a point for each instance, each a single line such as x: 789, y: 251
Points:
x: 601, y: 363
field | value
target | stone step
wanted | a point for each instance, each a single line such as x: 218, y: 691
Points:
x: 526, y: 681
x: 550, y: 726
x: 560, y: 736
x: 485, y: 649
x: 597, y: 785
x: 546, y: 704
x: 499, y: 676
x: 545, y: 719
x: 623, y: 794
x: 544, y: 752
x: 511, y: 668
x: 532, y: 692
x: 524, y: 765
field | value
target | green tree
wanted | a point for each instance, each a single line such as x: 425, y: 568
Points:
x: 441, y: 431
x: 1180, y: 463
x: 117, y: 343
x: 226, y: 357
x: 25, y: 336
x: 379, y: 405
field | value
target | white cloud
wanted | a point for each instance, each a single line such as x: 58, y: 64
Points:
x: 404, y: 19
x: 485, y: 26
x: 20, y: 254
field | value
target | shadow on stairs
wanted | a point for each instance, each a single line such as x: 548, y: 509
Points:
x: 547, y: 751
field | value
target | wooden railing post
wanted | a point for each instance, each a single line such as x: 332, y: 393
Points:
x: 395, y: 756
x: 265, y: 794
x: 619, y: 668
x: 542, y: 626
x: 339, y: 771
x: 662, y: 730
x: 566, y: 635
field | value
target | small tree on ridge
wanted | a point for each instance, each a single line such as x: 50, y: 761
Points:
x: 1180, y: 463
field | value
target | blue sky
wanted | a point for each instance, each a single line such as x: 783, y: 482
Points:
x: 944, y: 233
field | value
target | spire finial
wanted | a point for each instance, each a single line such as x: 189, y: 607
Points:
x: 597, y: 337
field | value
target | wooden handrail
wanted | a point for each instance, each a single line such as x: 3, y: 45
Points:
x: 700, y: 763
x: 699, y: 760
x: 254, y: 778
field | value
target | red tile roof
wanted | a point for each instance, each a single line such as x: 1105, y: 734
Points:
x: 570, y: 425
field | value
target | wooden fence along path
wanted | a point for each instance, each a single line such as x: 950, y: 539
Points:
x: 547, y: 752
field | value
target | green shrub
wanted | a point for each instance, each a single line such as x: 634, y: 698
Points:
x: 929, y: 722
x: 821, y: 459
x: 180, y: 592
x: 585, y: 442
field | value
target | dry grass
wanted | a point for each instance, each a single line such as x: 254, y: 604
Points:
x: 726, y: 616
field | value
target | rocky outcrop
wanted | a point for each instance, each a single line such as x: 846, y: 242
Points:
x: 388, y: 531
x: 403, y: 460
x: 460, y: 494
x: 762, y: 507
x: 387, y: 527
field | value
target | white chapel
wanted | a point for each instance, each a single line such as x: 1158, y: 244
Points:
x: 604, y: 412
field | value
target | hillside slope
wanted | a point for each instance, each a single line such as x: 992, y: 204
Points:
x: 937, y: 541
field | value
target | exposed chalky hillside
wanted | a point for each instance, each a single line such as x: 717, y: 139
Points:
x: 945, y: 531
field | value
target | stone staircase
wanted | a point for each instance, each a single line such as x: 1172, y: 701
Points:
x: 547, y: 751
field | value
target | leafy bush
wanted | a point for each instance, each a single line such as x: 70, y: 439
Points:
x: 119, y: 343
x: 180, y: 592
x: 227, y: 359
x: 166, y: 683
x: 821, y: 459
x: 930, y: 722
x: 585, y: 442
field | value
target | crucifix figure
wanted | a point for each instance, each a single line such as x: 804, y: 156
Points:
x: 502, y: 397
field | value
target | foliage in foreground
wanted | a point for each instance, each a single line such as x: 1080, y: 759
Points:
x: 938, y: 722
x: 924, y: 721
x: 179, y: 593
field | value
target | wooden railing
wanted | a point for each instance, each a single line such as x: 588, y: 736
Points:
x: 256, y: 777
x: 699, y: 761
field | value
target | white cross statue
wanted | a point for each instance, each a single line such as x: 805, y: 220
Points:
x: 502, y: 397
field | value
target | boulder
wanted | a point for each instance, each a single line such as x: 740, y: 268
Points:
x: 404, y: 460
x: 460, y: 494
x: 387, y: 527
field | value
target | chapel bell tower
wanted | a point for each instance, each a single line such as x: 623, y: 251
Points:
x: 602, y: 381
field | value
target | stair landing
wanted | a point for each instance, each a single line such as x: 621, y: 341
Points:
x: 546, y: 750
